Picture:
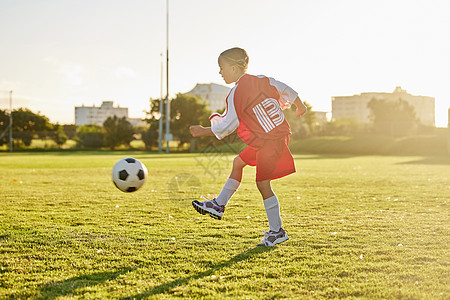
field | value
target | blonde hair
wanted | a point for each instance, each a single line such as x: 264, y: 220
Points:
x: 236, y: 56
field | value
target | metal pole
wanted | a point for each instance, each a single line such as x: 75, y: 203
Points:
x: 167, y: 82
x: 161, y: 109
x: 10, y: 122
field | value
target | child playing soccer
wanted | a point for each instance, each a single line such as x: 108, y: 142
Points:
x: 254, y: 108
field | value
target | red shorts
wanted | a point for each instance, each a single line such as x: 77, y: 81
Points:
x: 273, y: 160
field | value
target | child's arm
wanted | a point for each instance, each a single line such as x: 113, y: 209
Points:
x: 221, y: 124
x: 301, y: 108
x: 198, y: 130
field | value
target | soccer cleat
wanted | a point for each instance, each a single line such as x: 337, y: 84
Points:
x: 271, y: 238
x: 209, y: 207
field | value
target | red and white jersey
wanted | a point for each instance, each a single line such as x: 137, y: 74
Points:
x: 254, y: 108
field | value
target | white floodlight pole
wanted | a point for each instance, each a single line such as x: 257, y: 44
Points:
x: 10, y: 122
x: 168, y: 135
x: 161, y: 108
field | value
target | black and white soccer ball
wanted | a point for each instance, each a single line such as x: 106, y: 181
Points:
x: 129, y: 174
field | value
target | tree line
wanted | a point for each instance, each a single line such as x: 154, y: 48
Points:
x: 28, y: 125
x: 391, y: 118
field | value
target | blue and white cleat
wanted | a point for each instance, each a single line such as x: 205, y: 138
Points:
x: 209, y: 207
x: 271, y: 238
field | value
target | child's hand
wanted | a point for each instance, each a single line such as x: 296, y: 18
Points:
x: 195, y: 130
x: 301, y: 108
x: 199, y: 130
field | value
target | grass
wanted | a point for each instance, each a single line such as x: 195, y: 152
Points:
x: 373, y: 145
x: 359, y: 227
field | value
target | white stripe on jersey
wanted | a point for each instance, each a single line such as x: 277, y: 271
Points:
x: 263, y: 118
x: 275, y: 113
x: 266, y: 118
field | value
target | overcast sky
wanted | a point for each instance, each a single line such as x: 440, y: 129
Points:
x: 57, y: 54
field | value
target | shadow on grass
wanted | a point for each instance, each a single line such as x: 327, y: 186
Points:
x: 181, y: 281
x: 68, y: 287
x: 431, y: 160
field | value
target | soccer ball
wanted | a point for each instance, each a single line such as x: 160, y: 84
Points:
x: 129, y: 174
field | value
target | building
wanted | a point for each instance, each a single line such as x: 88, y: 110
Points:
x: 92, y: 115
x: 214, y: 94
x: 355, y: 107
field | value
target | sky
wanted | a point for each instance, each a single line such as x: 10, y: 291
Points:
x: 58, y: 54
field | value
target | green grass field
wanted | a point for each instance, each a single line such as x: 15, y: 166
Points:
x: 359, y: 227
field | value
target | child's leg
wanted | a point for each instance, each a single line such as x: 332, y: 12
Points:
x: 265, y: 189
x: 238, y: 166
x: 232, y: 183
x: 271, y: 205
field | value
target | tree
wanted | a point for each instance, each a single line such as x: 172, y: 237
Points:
x: 394, y: 118
x: 186, y: 110
x: 345, y: 127
x: 4, y: 123
x: 118, y: 131
x: 58, y: 135
x: 151, y: 134
x: 26, y: 124
x: 304, y: 126
x: 90, y: 136
x: 70, y: 130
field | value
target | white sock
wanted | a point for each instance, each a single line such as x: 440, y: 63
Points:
x: 227, y: 191
x: 272, y: 207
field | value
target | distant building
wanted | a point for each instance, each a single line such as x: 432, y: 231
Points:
x: 92, y: 115
x: 214, y: 94
x: 355, y: 107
